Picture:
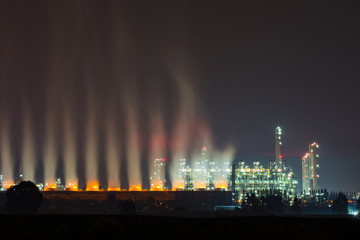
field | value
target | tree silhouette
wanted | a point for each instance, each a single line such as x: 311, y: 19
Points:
x: 253, y: 202
x: 340, y: 204
x: 296, y: 207
x: 274, y: 202
x: 24, y: 198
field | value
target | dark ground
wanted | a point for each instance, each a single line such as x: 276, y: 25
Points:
x: 143, y: 227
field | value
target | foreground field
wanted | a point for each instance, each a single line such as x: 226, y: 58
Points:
x: 143, y: 227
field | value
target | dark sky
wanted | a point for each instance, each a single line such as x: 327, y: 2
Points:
x: 245, y: 67
x: 293, y: 65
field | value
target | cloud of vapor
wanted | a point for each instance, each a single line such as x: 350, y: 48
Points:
x: 50, y: 151
x: 6, y: 60
x: 28, y: 161
x: 91, y: 144
x: 101, y: 68
x: 190, y: 132
x: 5, y: 151
x: 223, y: 160
x: 69, y: 148
x: 112, y: 152
x: 133, y: 147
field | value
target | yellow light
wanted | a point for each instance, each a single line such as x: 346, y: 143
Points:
x: 7, y: 184
x: 92, y: 186
x: 50, y: 186
x: 158, y: 187
x: 135, y: 188
x: 113, y: 189
x: 71, y: 187
x: 221, y: 185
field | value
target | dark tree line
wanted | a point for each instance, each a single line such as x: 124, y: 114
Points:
x: 269, y: 202
x: 274, y: 201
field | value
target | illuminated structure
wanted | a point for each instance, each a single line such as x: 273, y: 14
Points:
x: 19, y: 178
x: 277, y: 179
x: 200, y: 171
x: 209, y: 173
x: 206, y: 174
x: 185, y: 181
x: 223, y: 176
x: 158, y: 180
x: 261, y: 181
x: 59, y: 186
x: 209, y: 170
x: 310, y: 169
x: 279, y: 161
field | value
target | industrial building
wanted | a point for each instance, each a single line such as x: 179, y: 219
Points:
x: 261, y: 181
x: 310, y: 169
x: 210, y: 174
x: 277, y: 179
x: 241, y: 179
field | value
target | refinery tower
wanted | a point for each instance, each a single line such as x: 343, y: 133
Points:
x: 310, y: 169
x: 279, y: 160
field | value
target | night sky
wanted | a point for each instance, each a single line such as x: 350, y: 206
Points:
x: 229, y: 72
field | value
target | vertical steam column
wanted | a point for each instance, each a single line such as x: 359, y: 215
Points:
x: 279, y: 161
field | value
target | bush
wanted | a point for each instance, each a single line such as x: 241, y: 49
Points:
x: 340, y: 204
x: 24, y: 198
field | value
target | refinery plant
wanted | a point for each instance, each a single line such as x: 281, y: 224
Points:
x: 209, y: 174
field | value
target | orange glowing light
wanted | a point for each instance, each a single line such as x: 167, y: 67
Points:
x: 72, y: 188
x: 92, y: 186
x: 158, y: 187
x: 7, y: 184
x: 50, y: 187
x: 221, y: 185
x: 113, y: 189
x: 179, y: 188
x: 135, y: 188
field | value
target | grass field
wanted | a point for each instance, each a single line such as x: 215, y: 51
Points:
x: 164, y: 227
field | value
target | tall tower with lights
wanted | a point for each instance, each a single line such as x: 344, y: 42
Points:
x: 314, y: 170
x: 310, y: 169
x: 278, y: 142
x: 306, y: 173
